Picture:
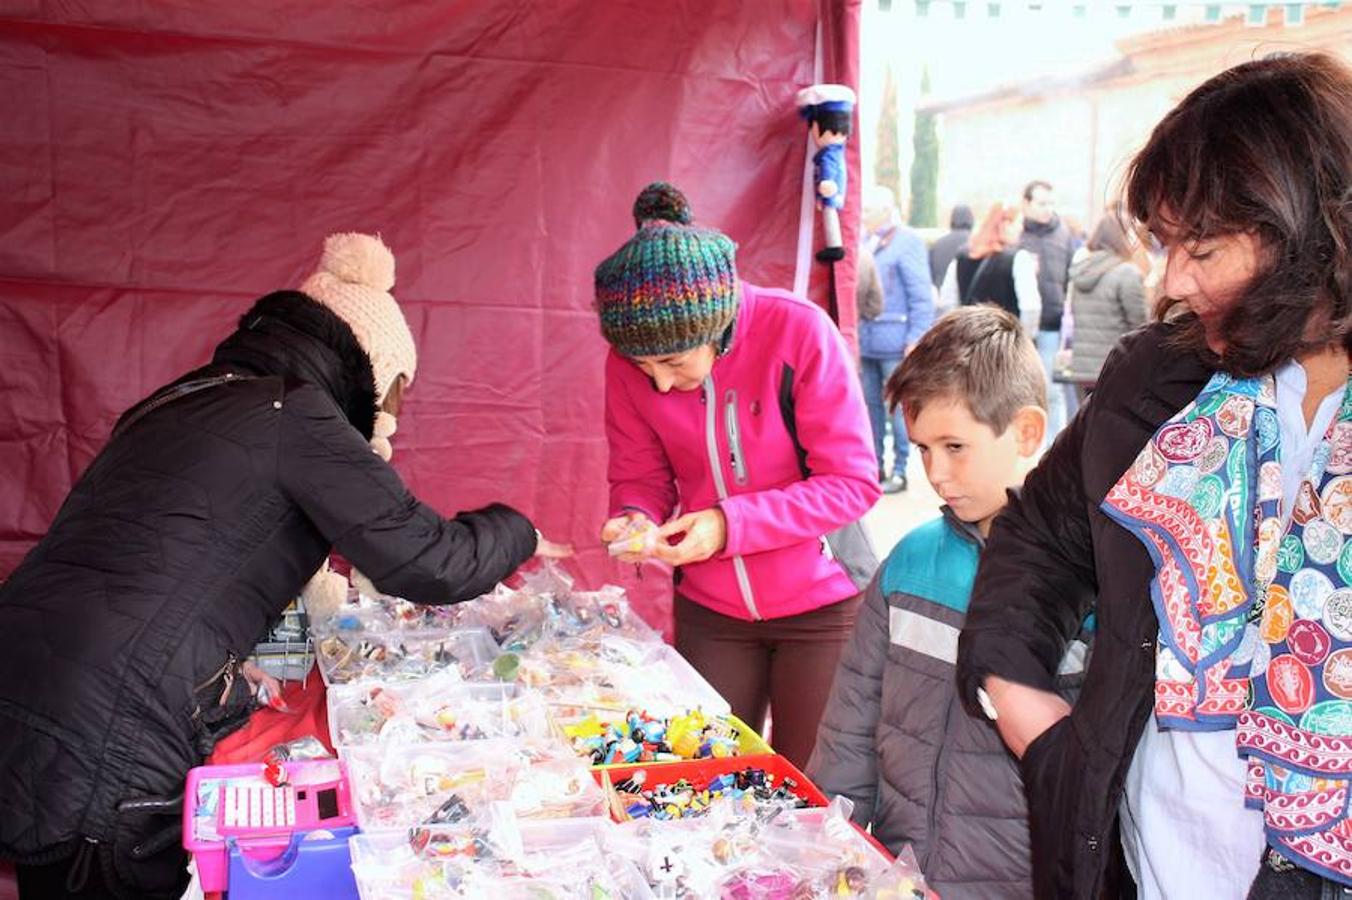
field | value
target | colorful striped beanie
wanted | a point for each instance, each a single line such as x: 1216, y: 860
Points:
x: 672, y: 286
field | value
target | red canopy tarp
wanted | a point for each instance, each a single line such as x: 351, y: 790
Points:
x: 162, y: 165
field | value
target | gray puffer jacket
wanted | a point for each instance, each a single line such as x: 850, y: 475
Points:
x: 1107, y: 300
x: 896, y: 740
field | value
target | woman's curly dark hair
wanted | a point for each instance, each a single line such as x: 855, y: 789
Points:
x: 1264, y: 148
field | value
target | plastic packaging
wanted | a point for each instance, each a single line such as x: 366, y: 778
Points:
x: 433, y: 859
x: 639, y: 538
x: 308, y: 747
x: 520, y: 859
x: 547, y: 606
x: 790, y: 855
x: 350, y: 654
x: 278, y: 757
x: 437, y: 708
x: 613, y: 674
x: 403, y: 786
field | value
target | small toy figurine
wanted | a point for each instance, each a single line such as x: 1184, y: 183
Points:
x: 274, y: 772
x: 829, y: 109
x: 453, y: 810
x: 852, y: 881
x: 506, y: 666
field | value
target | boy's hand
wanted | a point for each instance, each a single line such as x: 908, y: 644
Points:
x: 1024, y: 713
x: 705, y: 532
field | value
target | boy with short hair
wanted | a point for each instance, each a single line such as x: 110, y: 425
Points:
x: 895, y: 738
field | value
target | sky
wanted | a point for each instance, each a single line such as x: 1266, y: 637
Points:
x: 981, y: 51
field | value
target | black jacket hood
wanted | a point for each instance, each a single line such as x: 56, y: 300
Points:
x: 289, y: 334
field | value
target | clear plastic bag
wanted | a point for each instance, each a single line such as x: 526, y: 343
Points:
x: 405, y: 785
x: 308, y: 747
x: 548, y: 606
x: 788, y: 855
x: 613, y: 673
x: 605, y: 611
x: 639, y: 537
x: 516, y: 619
x: 434, y: 859
x: 437, y: 708
x: 903, y: 880
x: 351, y: 654
x: 517, y: 859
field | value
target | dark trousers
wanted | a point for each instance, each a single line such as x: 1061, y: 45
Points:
x: 784, y: 666
x: 873, y: 374
x: 1279, y: 879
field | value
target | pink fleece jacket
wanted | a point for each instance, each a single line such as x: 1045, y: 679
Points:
x: 727, y: 444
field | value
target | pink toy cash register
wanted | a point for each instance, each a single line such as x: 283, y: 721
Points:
x: 235, y: 803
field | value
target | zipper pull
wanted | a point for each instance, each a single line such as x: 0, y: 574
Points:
x: 78, y: 875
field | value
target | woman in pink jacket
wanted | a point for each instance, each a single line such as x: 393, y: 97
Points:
x: 739, y: 407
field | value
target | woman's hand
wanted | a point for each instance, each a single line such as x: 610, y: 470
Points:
x: 267, y: 689
x: 618, y: 527
x: 1023, y: 713
x: 547, y: 549
x: 704, y: 534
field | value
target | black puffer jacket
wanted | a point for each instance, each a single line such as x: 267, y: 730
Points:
x: 204, y: 515
x: 1052, y: 556
x: 1053, y: 246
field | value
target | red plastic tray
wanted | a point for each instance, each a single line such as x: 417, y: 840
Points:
x: 700, y: 771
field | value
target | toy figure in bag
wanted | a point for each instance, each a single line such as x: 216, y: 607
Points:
x: 213, y: 502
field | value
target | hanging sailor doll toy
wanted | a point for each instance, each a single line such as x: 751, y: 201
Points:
x: 829, y: 111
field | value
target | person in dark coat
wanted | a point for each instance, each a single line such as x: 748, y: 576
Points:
x: 1048, y: 238
x: 213, y: 502
x: 946, y: 247
x: 1198, y: 505
x: 992, y: 268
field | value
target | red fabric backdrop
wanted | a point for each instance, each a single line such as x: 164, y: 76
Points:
x: 163, y: 164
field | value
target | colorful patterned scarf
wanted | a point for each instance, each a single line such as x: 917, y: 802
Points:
x: 1255, y: 620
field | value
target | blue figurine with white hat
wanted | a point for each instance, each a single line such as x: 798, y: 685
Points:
x: 829, y: 111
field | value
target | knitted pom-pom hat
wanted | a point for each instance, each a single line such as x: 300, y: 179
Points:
x: 356, y: 273
x: 672, y: 286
